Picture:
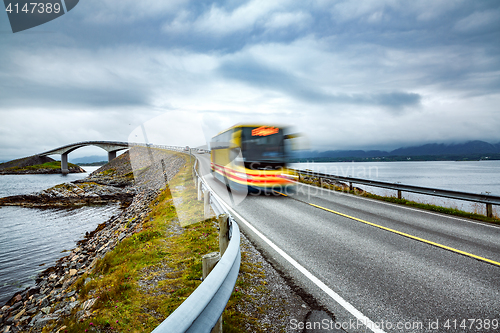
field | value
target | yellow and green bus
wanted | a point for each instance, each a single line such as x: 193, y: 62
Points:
x: 252, y: 157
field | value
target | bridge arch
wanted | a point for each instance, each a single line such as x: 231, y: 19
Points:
x: 110, y: 146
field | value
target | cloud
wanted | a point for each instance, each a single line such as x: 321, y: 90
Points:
x: 288, y: 20
x: 349, y: 73
x: 127, y: 11
x: 259, y: 75
x: 477, y: 21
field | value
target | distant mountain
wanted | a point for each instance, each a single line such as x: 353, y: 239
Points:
x: 89, y: 159
x: 471, y: 148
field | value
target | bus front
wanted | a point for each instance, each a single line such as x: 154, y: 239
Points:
x: 264, y: 158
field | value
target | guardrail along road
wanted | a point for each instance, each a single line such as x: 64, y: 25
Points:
x: 377, y: 266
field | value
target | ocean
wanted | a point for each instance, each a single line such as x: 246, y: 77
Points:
x: 33, y: 239
x: 469, y: 176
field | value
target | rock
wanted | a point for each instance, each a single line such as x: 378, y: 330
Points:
x: 60, y: 329
x: 41, y: 322
x: 45, y: 302
x: 16, y: 306
x: 34, y: 319
x: 45, y: 310
x: 32, y: 311
x: 88, y: 304
x: 20, y: 314
x: 83, y: 258
x: 9, y: 320
x: 32, y: 291
x: 68, y: 308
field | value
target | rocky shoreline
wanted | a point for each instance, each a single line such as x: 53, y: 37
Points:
x: 54, y: 301
x: 54, y: 296
x: 71, y: 194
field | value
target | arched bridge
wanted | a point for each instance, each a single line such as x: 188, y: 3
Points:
x: 110, y: 146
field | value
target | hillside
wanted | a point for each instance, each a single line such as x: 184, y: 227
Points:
x: 36, y: 165
x: 472, y: 150
x: 26, y: 161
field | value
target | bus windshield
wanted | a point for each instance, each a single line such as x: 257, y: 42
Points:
x: 264, y: 145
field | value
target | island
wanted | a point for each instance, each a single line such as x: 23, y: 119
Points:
x: 36, y: 165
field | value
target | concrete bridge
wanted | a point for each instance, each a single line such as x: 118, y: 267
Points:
x: 110, y: 146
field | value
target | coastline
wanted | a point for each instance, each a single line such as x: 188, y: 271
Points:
x: 52, y: 298
x: 95, y: 289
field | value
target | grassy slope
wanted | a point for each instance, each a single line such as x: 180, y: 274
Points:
x: 148, y: 275
x: 49, y: 165
x: 435, y: 208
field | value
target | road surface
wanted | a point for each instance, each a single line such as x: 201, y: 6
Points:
x: 378, y: 267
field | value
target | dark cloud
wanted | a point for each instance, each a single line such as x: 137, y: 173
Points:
x: 260, y: 75
x: 18, y: 92
x: 362, y: 68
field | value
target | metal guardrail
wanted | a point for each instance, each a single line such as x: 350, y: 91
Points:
x: 202, y: 309
x: 487, y: 199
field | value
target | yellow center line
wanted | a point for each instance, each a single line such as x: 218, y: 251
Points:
x: 403, y: 234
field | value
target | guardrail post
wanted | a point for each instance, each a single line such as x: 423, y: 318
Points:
x: 223, y: 233
x: 208, y: 263
x: 320, y: 182
x: 350, y: 186
x: 206, y: 204
x: 489, y: 210
x: 193, y: 173
x: 399, y: 194
x: 199, y: 189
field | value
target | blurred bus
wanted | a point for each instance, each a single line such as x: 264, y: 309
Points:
x: 252, y: 157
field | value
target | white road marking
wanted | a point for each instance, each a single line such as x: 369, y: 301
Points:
x: 336, y: 297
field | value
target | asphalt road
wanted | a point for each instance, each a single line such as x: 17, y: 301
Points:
x: 390, y: 281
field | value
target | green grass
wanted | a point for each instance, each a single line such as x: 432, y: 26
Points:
x: 148, y: 275
x: 167, y: 259
x: 48, y: 165
x: 163, y: 256
x: 393, y: 199
x: 109, y: 172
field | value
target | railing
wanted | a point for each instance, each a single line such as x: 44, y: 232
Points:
x: 487, y: 199
x: 202, y: 309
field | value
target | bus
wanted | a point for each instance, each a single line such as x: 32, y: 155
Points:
x: 252, y: 158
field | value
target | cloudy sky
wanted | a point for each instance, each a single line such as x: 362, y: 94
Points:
x: 349, y: 74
